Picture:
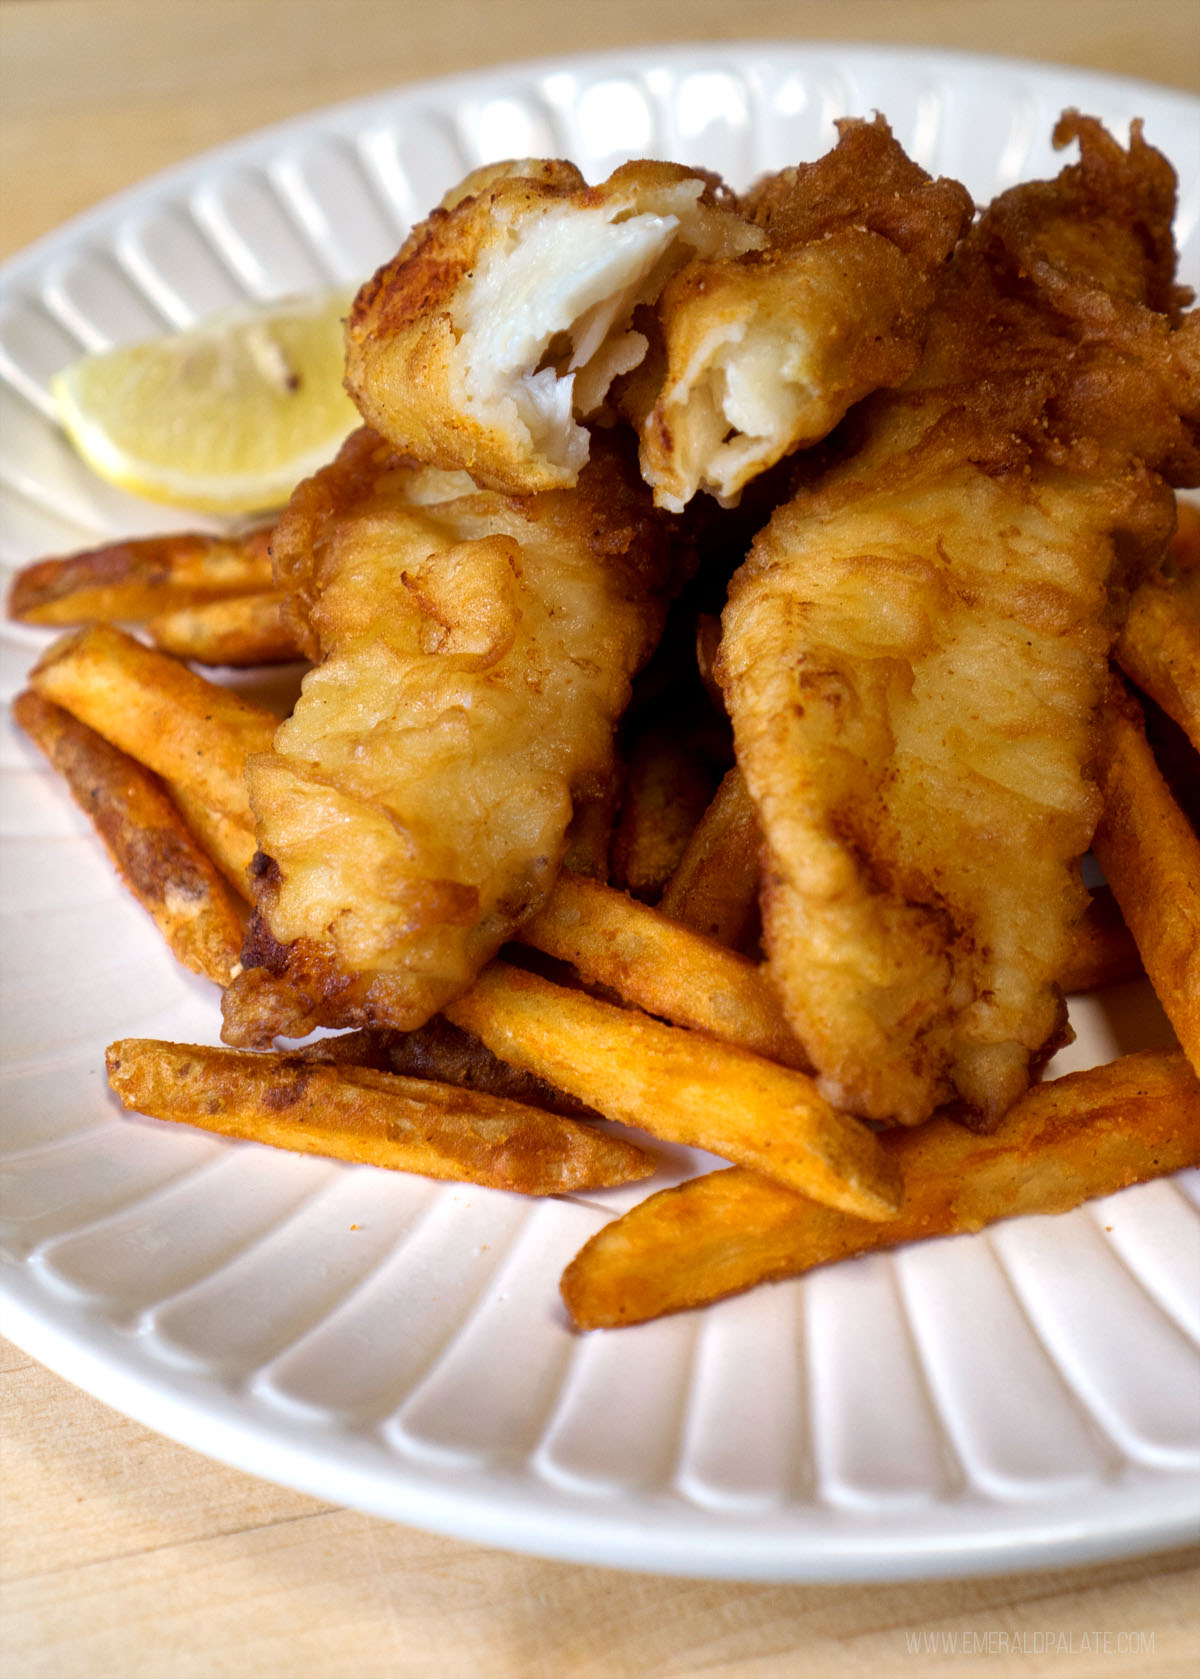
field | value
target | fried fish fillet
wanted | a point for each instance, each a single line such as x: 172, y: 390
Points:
x: 915, y: 649
x: 509, y: 314
x: 764, y: 353
x: 475, y: 651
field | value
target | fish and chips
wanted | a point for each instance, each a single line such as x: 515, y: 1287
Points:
x: 813, y: 904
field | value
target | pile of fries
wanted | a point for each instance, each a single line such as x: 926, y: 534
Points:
x: 640, y: 1009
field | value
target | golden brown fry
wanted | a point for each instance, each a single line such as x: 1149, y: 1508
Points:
x: 144, y: 834
x: 708, y: 642
x: 715, y: 885
x: 1159, y: 648
x: 131, y: 581
x: 447, y: 1055
x: 355, y: 1113
x: 589, y: 836
x: 1151, y: 859
x: 1081, y: 1136
x: 1185, y: 544
x: 667, y: 789
x: 661, y: 966
x: 1104, y: 952
x: 242, y: 630
x: 228, y: 840
x: 183, y: 727
x: 680, y: 1086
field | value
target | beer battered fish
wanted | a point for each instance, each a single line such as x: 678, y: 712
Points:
x: 763, y: 354
x: 475, y: 653
x: 914, y: 651
x: 729, y: 334
x: 506, y: 315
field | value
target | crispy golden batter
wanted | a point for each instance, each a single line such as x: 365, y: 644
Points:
x: 914, y: 651
x: 507, y: 313
x: 476, y: 652
x: 764, y: 353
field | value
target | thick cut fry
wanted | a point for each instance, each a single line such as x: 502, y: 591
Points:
x: 665, y: 968
x: 1104, y: 952
x: 667, y: 789
x: 243, y: 630
x: 1185, y: 544
x: 146, y: 837
x: 355, y: 1113
x: 447, y: 1055
x: 1151, y: 859
x: 184, y: 728
x: 228, y: 840
x: 1085, y: 1135
x: 589, y: 836
x: 1159, y: 648
x: 131, y: 581
x: 680, y: 1086
x: 715, y: 886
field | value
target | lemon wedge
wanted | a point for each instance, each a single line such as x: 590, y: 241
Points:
x: 225, y: 417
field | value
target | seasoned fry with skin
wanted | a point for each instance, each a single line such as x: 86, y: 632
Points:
x: 1151, y: 858
x: 153, y: 849
x: 1159, y: 647
x: 1185, y: 544
x: 667, y: 789
x: 589, y: 833
x: 661, y: 966
x: 228, y: 840
x: 1068, y: 1141
x: 715, y: 885
x: 183, y: 727
x: 446, y: 1055
x: 380, y: 1119
x: 681, y: 1086
x: 241, y: 631
x: 128, y: 582
x: 1104, y: 951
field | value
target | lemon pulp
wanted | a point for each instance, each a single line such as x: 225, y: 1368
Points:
x: 224, y: 417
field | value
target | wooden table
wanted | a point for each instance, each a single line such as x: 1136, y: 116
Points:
x: 125, y: 1555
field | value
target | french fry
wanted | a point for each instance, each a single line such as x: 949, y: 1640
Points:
x: 661, y: 966
x: 242, y: 630
x: 154, y: 851
x: 355, y: 1113
x: 715, y: 884
x: 128, y: 582
x: 680, y: 1086
x: 1159, y: 647
x: 708, y: 640
x: 667, y: 789
x: 447, y: 1055
x: 186, y: 729
x: 1185, y: 544
x: 1067, y: 1141
x: 228, y: 840
x: 1151, y: 858
x: 1104, y: 952
x: 589, y: 835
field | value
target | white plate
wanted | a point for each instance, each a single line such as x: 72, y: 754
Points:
x: 1023, y: 1398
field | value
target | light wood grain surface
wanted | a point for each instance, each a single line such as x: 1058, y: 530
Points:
x: 124, y: 1555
